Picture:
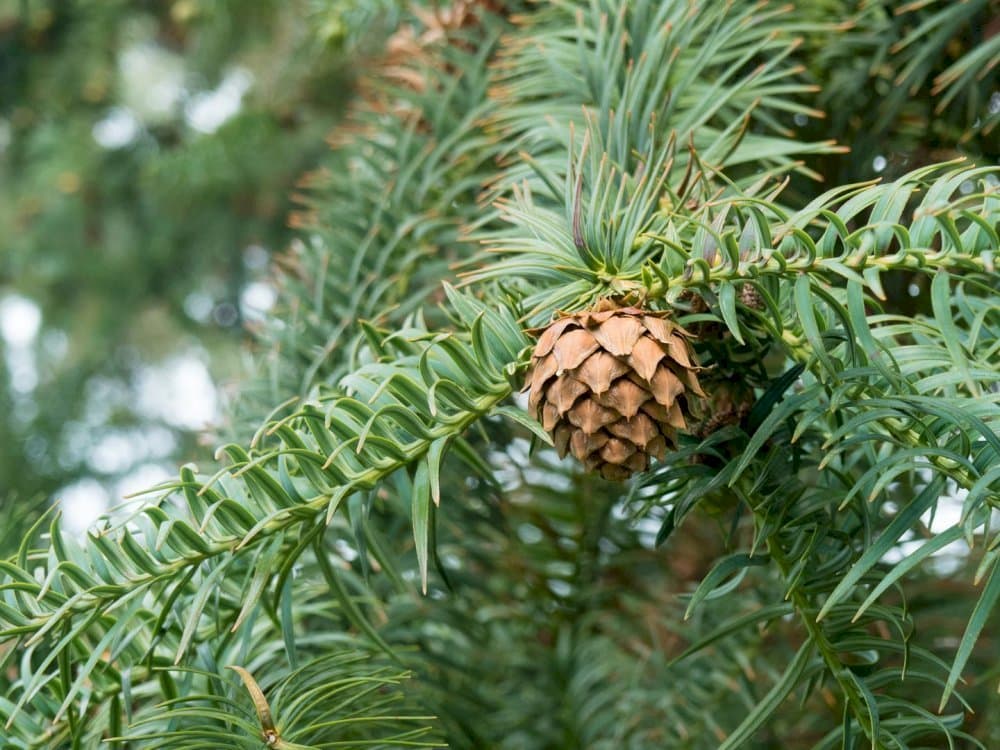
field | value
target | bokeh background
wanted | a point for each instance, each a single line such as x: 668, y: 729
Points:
x: 149, y: 151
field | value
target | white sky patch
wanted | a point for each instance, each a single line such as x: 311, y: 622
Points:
x: 141, y: 478
x: 345, y: 550
x: 113, y: 453
x: 152, y: 81
x: 198, y: 306
x: 82, y: 503
x: 947, y: 514
x: 20, y: 319
x: 117, y: 450
x: 255, y: 257
x: 529, y: 533
x: 256, y: 299
x: 180, y: 391
x: 23, y: 370
x: 207, y: 111
x: 648, y: 526
x: 559, y: 588
x: 159, y: 442
x: 117, y: 129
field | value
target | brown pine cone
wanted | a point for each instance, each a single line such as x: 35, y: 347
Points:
x: 613, y: 387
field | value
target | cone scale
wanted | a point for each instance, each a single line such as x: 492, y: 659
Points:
x: 613, y: 386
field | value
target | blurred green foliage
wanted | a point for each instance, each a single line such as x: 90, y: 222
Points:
x: 147, y: 154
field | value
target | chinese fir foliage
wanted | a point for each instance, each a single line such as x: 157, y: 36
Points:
x: 392, y: 555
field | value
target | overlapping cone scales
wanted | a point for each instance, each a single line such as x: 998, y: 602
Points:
x: 613, y: 387
x: 732, y: 401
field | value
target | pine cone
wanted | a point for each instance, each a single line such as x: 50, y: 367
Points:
x: 695, y: 302
x: 729, y: 401
x: 613, y: 386
x: 702, y: 330
x: 750, y: 296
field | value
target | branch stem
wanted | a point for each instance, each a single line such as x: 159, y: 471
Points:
x: 807, y: 614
